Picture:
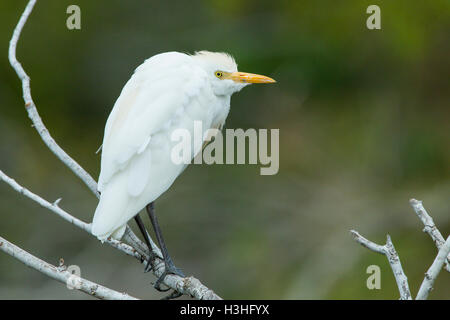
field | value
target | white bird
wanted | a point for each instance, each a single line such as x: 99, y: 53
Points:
x: 168, y: 91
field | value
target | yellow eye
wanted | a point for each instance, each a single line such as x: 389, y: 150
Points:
x: 219, y: 74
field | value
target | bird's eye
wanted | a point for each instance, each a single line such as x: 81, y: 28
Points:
x: 218, y: 74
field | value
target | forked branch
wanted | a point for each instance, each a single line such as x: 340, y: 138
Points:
x: 394, y: 260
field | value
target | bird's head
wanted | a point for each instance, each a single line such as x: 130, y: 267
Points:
x: 222, y: 71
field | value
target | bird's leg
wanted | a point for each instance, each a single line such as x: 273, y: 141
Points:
x: 169, y: 265
x: 144, y: 232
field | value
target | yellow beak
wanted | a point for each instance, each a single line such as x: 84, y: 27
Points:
x: 245, y: 77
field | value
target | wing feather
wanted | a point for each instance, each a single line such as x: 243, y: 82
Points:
x: 158, y: 90
x: 139, y: 173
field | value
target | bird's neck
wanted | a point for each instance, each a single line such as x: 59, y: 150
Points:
x: 221, y: 113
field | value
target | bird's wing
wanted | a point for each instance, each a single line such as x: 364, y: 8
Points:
x: 159, y: 89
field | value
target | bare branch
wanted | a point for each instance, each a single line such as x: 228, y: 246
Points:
x: 433, y: 271
x: 389, y: 251
x: 53, y: 207
x: 66, y: 216
x: 394, y: 260
x: 430, y: 227
x: 189, y: 286
x: 32, y: 110
x: 61, y: 274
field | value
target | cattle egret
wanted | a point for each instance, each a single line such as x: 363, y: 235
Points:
x: 168, y: 91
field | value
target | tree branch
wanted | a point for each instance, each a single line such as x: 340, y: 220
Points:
x: 389, y: 251
x: 189, y: 285
x: 430, y: 227
x: 61, y: 274
x: 394, y: 260
x: 32, y: 110
x: 433, y: 271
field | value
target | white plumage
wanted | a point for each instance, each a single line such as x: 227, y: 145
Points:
x: 167, y: 92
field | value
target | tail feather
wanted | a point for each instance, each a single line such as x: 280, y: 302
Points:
x: 111, y: 216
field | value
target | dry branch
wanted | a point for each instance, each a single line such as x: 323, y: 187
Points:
x: 32, y: 110
x: 430, y: 228
x: 433, y: 271
x: 394, y: 260
x: 61, y: 274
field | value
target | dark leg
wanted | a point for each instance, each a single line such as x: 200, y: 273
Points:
x: 151, y: 258
x: 169, y: 265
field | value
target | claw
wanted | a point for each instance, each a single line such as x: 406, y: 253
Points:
x: 169, y: 269
x: 149, y: 265
x: 157, y: 284
x: 150, y: 262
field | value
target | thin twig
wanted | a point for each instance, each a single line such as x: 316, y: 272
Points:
x: 433, y: 271
x: 61, y: 274
x: 394, y: 260
x: 430, y: 228
x: 32, y: 110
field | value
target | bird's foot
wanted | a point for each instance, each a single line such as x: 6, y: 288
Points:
x: 169, y: 269
x: 150, y: 262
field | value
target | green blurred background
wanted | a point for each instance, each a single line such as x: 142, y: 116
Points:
x: 364, y: 126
